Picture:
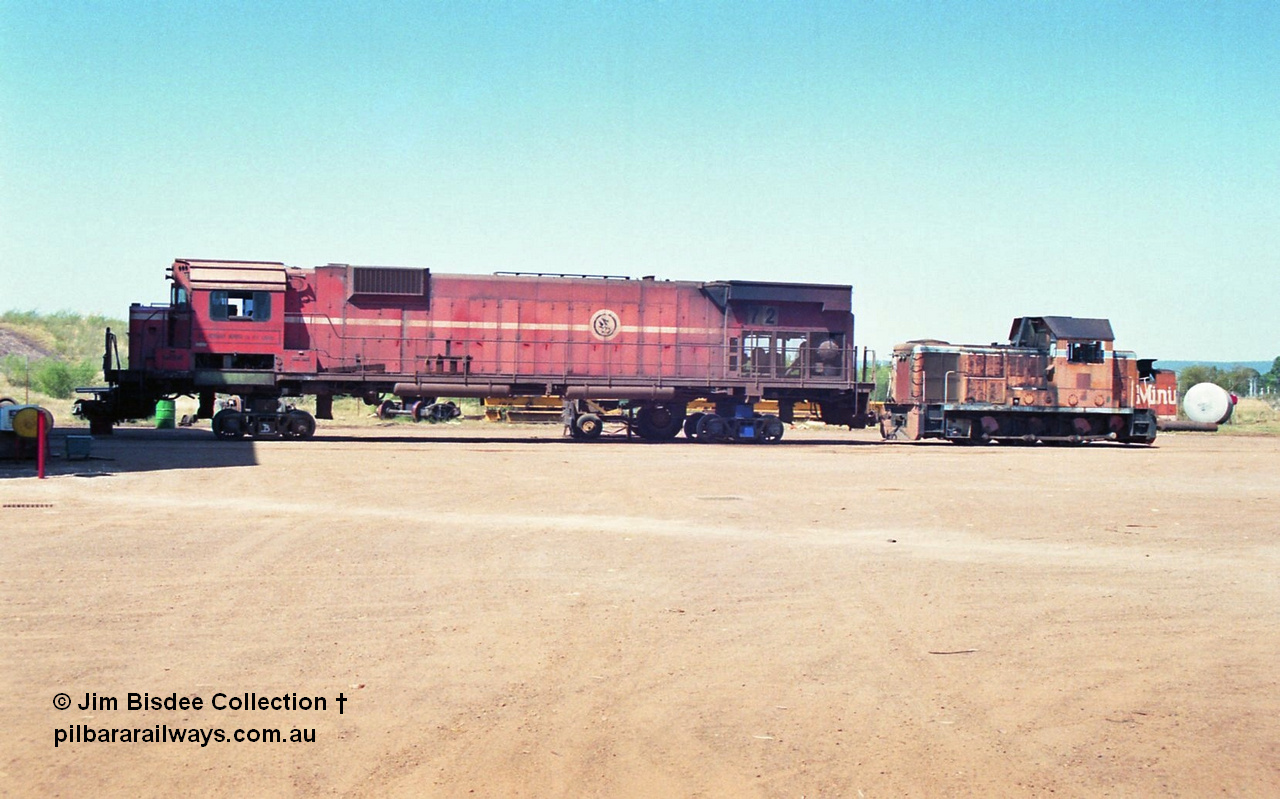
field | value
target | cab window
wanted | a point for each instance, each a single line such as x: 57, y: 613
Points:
x: 1085, y: 352
x: 239, y: 306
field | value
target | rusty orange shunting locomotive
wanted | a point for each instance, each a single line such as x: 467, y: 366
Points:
x: 1060, y: 379
x: 636, y: 351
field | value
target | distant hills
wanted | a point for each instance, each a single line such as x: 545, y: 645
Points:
x: 62, y: 336
x: 1262, y: 366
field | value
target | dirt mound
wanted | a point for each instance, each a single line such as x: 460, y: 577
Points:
x: 13, y: 342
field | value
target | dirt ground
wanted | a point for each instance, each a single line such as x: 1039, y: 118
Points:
x: 507, y: 613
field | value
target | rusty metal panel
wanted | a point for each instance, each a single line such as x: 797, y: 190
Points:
x: 984, y: 379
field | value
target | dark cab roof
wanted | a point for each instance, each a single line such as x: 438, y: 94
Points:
x: 1061, y: 327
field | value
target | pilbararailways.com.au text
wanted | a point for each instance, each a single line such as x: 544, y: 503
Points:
x: 164, y: 734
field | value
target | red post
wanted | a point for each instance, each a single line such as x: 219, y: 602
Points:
x: 41, y: 442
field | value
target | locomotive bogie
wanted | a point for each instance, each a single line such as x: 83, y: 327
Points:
x: 262, y: 417
x: 730, y: 421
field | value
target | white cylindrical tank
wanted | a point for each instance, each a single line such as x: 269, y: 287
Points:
x: 1209, y: 403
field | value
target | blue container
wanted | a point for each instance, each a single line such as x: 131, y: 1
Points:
x: 78, y: 447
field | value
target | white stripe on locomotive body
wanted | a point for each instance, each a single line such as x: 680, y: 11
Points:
x: 439, y: 324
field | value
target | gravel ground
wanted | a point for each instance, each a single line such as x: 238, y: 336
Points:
x: 506, y: 613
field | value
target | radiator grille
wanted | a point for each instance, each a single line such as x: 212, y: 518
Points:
x: 385, y: 281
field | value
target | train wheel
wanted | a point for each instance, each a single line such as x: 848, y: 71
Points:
x: 893, y: 427
x: 771, y: 430
x: 659, y: 421
x: 298, y: 424
x: 990, y: 426
x: 1035, y: 426
x: 588, y: 426
x: 228, y: 424
x: 711, y: 428
x: 422, y: 409
x: 691, y: 424
x: 443, y: 412
x: 387, y: 410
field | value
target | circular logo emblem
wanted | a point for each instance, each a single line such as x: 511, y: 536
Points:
x: 605, y: 324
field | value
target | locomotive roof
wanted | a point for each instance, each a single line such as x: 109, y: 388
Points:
x: 1069, y: 327
x: 833, y: 297
x: 207, y: 274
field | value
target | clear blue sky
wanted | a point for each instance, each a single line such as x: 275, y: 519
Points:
x: 958, y: 163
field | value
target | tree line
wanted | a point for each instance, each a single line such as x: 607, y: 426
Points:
x: 1237, y: 380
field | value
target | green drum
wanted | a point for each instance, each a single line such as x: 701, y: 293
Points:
x: 164, y: 414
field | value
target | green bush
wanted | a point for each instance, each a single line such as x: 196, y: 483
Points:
x: 883, y: 377
x: 59, y: 379
x: 14, y: 368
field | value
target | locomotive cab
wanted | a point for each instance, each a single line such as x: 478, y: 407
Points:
x: 785, y: 332
x: 237, y: 317
x: 1081, y: 358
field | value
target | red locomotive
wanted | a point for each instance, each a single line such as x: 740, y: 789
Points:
x: 1060, y: 379
x: 267, y: 332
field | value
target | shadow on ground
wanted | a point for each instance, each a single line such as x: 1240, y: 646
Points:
x: 679, y: 441
x: 135, y: 450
